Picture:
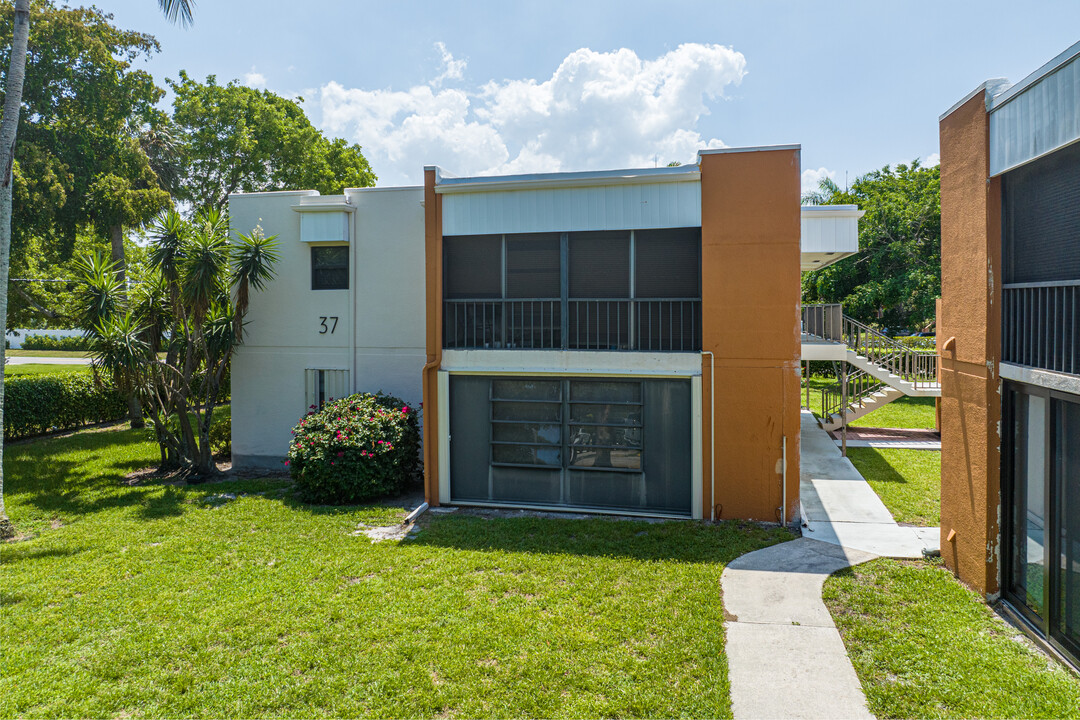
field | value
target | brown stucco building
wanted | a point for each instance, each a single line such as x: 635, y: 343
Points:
x: 1009, y: 340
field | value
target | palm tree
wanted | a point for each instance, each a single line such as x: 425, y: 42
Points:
x: 176, y: 11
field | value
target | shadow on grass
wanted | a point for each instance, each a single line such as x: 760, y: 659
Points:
x: 14, y: 553
x: 871, y: 464
x: 679, y: 541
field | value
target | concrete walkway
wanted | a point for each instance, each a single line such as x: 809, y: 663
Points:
x: 839, y: 507
x: 785, y: 656
x: 28, y: 360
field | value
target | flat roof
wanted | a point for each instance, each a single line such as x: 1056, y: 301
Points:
x: 678, y: 173
x: 1047, y: 69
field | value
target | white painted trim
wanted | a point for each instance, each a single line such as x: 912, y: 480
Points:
x: 823, y: 351
x: 635, y: 176
x: 571, y: 362
x: 696, y: 469
x: 384, y: 188
x: 832, y: 210
x: 748, y: 149
x: 1042, y: 378
x: 273, y: 192
x: 443, y: 392
x: 989, y: 88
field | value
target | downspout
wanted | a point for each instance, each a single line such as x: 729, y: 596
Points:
x: 783, y: 481
x: 712, y: 434
x: 433, y: 364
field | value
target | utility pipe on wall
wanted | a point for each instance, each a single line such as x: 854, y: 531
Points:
x: 712, y: 434
x: 783, y: 481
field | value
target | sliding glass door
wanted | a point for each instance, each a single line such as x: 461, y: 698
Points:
x: 1041, y: 488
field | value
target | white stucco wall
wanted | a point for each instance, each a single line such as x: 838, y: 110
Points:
x: 379, y: 336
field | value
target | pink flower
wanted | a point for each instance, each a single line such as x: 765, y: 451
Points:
x: 405, y: 409
x: 286, y: 462
x: 340, y: 454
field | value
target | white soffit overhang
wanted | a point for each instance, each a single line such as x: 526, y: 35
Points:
x: 830, y: 233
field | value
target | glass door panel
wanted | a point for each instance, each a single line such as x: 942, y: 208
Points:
x: 1028, y: 511
x: 1067, y: 501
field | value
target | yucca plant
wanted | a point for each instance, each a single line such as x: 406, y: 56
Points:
x: 170, y: 337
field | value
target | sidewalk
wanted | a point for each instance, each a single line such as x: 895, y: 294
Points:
x: 28, y: 360
x: 786, y: 658
x: 902, y: 438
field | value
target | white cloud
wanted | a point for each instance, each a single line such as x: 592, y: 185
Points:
x: 811, y: 178
x: 255, y: 79
x: 931, y: 160
x: 451, y: 69
x: 597, y: 110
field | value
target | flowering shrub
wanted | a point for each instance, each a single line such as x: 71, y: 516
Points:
x: 355, y: 449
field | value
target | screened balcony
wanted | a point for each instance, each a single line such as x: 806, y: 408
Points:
x: 630, y: 290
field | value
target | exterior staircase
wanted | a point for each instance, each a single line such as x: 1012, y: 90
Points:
x: 882, y: 369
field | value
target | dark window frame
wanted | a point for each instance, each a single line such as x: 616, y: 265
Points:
x: 318, y: 282
x: 1046, y: 625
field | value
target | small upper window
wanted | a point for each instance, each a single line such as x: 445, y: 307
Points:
x: 330, y: 267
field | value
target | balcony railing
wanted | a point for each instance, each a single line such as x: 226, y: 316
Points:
x: 643, y: 325
x: 1041, y: 326
x: 823, y: 321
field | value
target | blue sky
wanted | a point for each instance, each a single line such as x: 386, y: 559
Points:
x: 483, y: 87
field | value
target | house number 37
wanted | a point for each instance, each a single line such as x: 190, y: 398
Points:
x: 324, y: 328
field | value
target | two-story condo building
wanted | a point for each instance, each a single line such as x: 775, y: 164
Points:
x: 1009, y: 338
x: 622, y: 341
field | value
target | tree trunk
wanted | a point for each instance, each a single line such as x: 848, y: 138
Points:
x: 8, y: 127
x: 116, y: 236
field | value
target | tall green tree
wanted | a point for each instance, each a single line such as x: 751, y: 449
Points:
x: 895, y: 278
x: 80, y: 159
x: 239, y: 139
x: 9, y: 125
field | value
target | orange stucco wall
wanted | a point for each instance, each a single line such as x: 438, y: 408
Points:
x: 433, y: 281
x: 750, y: 234
x: 970, y: 313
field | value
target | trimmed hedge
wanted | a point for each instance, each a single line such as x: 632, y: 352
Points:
x: 355, y: 449
x: 46, y: 342
x: 37, y: 404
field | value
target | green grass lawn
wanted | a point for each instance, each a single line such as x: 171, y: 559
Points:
x: 907, y: 481
x: 47, y: 353
x: 905, y: 412
x: 40, y: 369
x: 149, y: 601
x: 925, y: 646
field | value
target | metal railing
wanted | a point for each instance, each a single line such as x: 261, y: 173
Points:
x: 651, y: 325
x: 823, y: 321
x: 860, y: 385
x: 911, y: 365
x: 1041, y: 326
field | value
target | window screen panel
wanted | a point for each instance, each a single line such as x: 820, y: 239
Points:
x: 599, y: 265
x: 532, y: 266
x: 330, y: 267
x: 1041, y: 206
x: 472, y: 266
x: 668, y: 263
